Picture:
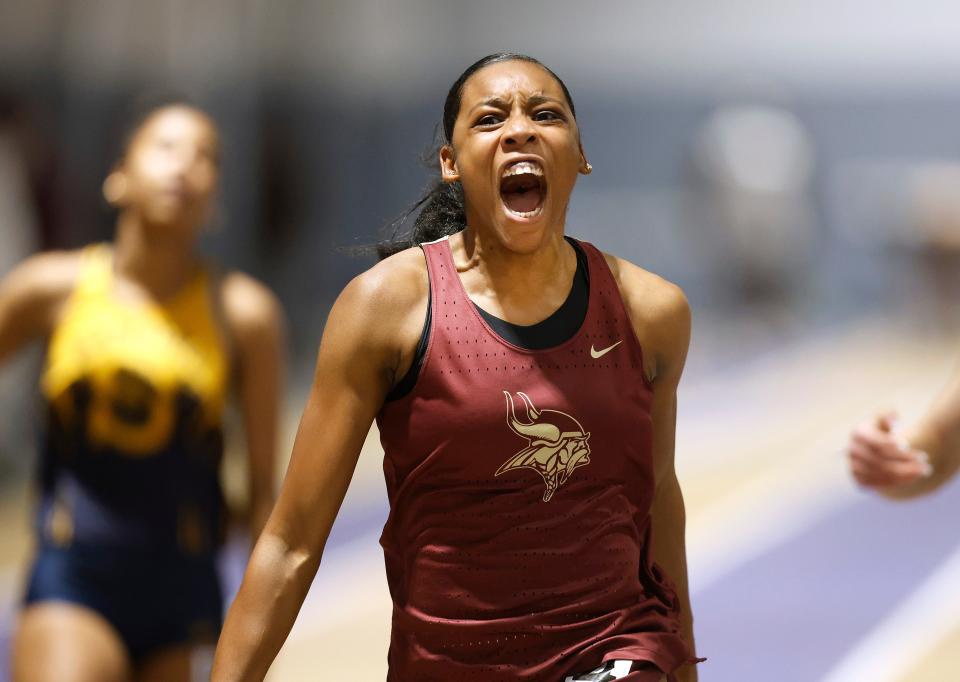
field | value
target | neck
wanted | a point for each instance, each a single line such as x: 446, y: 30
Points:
x: 512, y: 285
x: 160, y: 265
x: 486, y: 253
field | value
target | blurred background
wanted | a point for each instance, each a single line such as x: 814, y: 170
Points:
x: 794, y: 166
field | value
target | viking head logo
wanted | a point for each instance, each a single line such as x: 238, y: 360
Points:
x: 557, y: 444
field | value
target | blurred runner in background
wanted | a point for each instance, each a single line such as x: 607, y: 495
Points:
x: 143, y: 340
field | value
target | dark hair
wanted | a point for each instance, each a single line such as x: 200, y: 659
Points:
x: 442, y: 210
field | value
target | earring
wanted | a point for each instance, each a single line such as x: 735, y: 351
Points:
x: 588, y: 169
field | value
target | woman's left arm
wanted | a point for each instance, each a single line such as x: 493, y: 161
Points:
x: 668, y: 517
x: 670, y: 340
x: 661, y: 318
x: 255, y: 318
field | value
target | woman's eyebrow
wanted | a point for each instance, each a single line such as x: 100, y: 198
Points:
x: 536, y: 100
x: 496, y: 102
x: 500, y: 103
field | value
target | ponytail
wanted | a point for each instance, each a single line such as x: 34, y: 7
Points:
x: 442, y: 213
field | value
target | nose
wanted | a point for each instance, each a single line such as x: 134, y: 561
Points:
x: 179, y: 160
x: 192, y: 156
x: 186, y: 163
x: 518, y: 132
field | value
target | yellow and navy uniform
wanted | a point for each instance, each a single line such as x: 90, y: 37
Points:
x: 131, y: 455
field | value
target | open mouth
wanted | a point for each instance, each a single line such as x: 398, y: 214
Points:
x: 523, y: 188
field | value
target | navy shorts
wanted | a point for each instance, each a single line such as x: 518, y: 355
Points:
x: 154, y: 600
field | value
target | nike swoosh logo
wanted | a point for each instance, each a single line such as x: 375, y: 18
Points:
x: 594, y: 353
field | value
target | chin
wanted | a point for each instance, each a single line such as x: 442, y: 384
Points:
x: 524, y: 238
x: 525, y: 234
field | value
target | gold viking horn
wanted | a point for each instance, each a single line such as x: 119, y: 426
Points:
x: 544, y: 432
x: 532, y: 411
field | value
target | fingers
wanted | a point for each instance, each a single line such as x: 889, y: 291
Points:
x: 882, y: 457
x: 887, y: 421
x: 882, y: 444
x: 875, y: 471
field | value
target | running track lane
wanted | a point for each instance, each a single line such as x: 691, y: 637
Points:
x: 794, y: 612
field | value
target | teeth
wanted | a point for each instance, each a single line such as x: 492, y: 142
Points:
x: 528, y: 214
x: 524, y: 167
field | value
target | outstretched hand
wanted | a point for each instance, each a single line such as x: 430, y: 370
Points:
x: 881, y: 457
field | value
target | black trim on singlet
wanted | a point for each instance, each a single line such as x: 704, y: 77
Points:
x: 562, y: 324
x: 409, y: 380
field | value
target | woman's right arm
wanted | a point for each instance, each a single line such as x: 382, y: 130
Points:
x: 357, y: 361
x: 30, y: 298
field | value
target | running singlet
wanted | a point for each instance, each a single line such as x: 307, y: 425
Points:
x: 520, y: 483
x: 135, y: 393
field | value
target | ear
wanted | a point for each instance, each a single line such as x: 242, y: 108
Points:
x: 115, y: 188
x: 585, y: 167
x: 448, y: 164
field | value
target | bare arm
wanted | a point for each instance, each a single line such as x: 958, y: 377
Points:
x: 668, y: 512
x: 256, y: 325
x: 355, y: 368
x: 938, y: 434
x: 661, y: 317
x: 30, y: 298
x: 669, y: 534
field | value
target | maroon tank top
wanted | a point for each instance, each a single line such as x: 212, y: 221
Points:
x: 520, y: 484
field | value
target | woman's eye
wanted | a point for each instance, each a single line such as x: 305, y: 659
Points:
x: 546, y: 115
x: 489, y: 120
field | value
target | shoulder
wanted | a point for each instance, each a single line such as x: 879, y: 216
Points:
x: 649, y: 297
x: 390, y: 290
x: 376, y: 320
x: 250, y: 309
x: 399, y: 278
x: 50, y: 271
x: 658, y: 309
x: 380, y: 313
x: 34, y: 294
x: 45, y: 278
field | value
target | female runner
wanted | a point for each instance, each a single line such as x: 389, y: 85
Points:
x: 535, y: 512
x: 142, y: 339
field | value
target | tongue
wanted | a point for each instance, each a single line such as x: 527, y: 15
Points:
x: 523, y: 201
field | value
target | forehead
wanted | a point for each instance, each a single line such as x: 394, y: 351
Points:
x: 505, y: 80
x: 179, y: 122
